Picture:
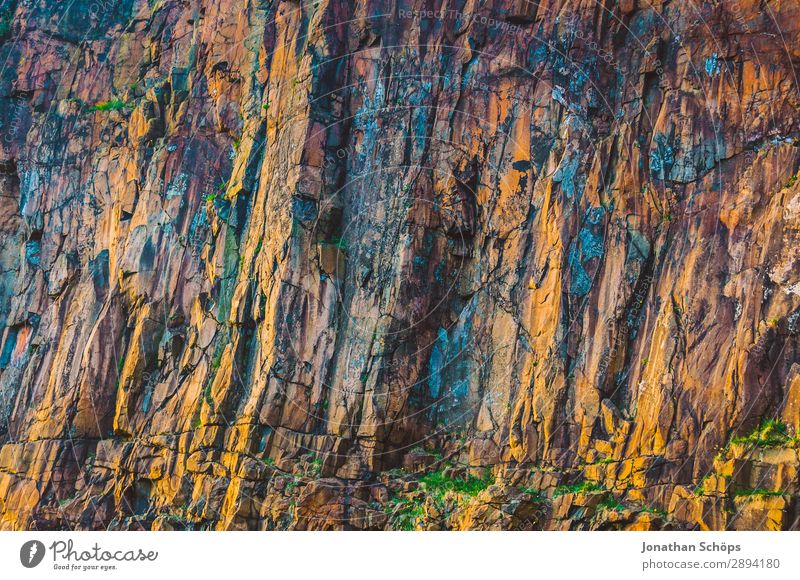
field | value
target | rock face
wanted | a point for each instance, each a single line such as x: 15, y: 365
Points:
x: 375, y: 264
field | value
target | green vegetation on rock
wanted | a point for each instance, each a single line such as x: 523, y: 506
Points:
x: 756, y: 493
x: 440, y: 489
x: 437, y: 484
x: 770, y: 433
x: 112, y: 105
x: 580, y: 487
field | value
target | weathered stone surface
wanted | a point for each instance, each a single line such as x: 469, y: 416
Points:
x: 368, y: 265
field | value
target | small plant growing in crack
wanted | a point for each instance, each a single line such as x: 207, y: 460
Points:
x: 112, y: 105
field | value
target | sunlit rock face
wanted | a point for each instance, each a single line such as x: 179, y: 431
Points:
x: 397, y: 265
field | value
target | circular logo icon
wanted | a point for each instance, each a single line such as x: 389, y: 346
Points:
x: 31, y: 553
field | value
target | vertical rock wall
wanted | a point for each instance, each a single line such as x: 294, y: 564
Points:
x: 300, y: 264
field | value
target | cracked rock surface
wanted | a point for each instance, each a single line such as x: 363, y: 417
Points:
x: 399, y: 264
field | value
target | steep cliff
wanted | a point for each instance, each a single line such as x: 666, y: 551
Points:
x: 385, y: 264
